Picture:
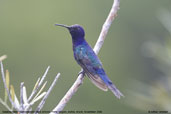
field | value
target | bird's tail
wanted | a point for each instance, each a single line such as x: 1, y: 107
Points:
x: 111, y: 86
x: 115, y: 91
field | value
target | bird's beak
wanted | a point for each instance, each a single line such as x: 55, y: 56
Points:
x: 66, y: 26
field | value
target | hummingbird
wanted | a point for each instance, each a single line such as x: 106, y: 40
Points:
x: 89, y: 61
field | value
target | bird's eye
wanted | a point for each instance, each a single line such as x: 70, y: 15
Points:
x: 78, y: 29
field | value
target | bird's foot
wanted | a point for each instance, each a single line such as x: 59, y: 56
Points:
x: 81, y: 72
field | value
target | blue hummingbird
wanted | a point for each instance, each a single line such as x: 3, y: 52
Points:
x: 89, y: 61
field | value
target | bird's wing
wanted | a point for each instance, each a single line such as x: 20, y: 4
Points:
x: 96, y: 80
x: 89, y: 61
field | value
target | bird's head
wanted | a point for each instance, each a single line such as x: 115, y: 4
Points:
x: 76, y: 30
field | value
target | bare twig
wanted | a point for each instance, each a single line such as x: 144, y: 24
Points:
x: 3, y: 57
x: 3, y: 78
x: 97, y: 48
x: 25, y: 106
x: 47, y: 94
x: 40, y: 83
x: 21, y: 96
x: 5, y: 104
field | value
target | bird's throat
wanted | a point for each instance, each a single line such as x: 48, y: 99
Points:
x: 78, y: 41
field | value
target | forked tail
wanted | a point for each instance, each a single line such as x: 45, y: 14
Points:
x: 115, y: 91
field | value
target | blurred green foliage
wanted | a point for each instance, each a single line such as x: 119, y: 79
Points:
x: 156, y: 94
x: 32, y: 42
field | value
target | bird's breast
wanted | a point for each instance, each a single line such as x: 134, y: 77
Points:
x: 78, y: 51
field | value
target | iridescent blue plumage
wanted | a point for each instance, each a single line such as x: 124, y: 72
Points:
x: 89, y: 61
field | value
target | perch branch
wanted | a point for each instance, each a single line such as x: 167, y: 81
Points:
x: 68, y: 95
x: 106, y: 26
x: 99, y: 43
